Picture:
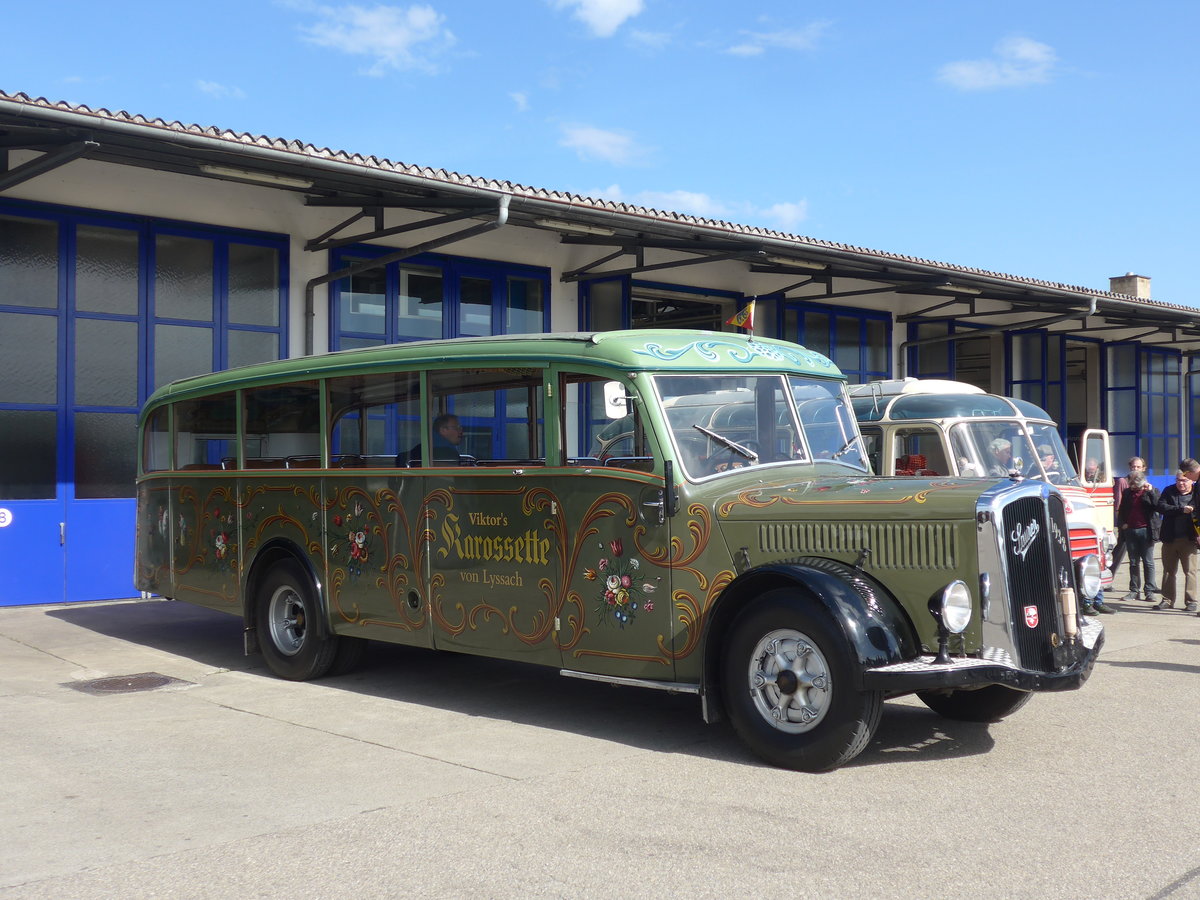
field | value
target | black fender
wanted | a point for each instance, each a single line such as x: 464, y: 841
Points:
x: 877, y: 630
x: 270, y: 553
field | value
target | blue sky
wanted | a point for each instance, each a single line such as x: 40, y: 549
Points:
x: 1055, y: 140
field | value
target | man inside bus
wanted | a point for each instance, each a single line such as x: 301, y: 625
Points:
x: 447, y: 435
x: 1002, y: 461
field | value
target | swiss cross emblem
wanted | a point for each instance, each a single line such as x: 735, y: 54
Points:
x: 1031, y: 616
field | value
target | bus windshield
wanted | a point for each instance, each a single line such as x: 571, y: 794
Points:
x: 724, y: 422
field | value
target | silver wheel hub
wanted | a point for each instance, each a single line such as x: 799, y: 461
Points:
x: 789, y: 681
x: 286, y: 620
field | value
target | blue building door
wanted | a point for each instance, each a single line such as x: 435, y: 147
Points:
x: 71, y: 335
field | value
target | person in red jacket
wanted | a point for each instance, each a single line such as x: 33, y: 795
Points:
x: 1138, y: 524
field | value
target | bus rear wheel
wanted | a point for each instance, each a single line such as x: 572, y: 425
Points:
x: 987, y: 704
x: 289, y: 633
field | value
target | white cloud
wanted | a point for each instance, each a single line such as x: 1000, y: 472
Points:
x: 755, y: 43
x: 786, y: 215
x: 592, y: 143
x: 602, y: 17
x: 783, y: 216
x: 1017, y: 62
x: 651, y: 40
x: 220, y: 91
x: 393, y: 37
x: 520, y: 99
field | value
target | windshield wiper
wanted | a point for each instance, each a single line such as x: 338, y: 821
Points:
x: 846, y: 446
x: 727, y: 443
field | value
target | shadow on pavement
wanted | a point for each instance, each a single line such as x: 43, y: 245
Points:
x: 517, y: 692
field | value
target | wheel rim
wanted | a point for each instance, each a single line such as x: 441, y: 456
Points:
x: 789, y: 681
x: 286, y: 620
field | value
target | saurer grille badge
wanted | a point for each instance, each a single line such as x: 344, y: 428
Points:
x: 1023, y: 536
x: 1031, y: 616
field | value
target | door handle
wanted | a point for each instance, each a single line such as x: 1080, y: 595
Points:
x: 658, y: 504
x: 62, y: 533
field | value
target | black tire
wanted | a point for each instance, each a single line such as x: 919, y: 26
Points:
x: 988, y: 704
x: 823, y: 721
x: 286, y: 615
x: 351, y: 651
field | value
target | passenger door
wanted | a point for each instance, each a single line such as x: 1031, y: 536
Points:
x: 616, y: 596
x: 495, y: 530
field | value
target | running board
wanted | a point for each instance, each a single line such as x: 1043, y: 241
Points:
x: 674, y: 687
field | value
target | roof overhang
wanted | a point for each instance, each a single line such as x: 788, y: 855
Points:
x: 627, y: 240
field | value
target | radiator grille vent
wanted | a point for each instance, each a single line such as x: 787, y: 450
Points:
x: 1033, y: 543
x: 902, y: 545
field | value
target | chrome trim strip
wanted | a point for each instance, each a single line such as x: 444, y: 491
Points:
x: 675, y: 687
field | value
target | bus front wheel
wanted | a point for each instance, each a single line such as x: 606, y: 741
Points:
x: 286, y: 617
x: 790, y: 688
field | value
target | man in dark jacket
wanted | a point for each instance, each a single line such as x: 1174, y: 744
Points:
x: 1179, y: 542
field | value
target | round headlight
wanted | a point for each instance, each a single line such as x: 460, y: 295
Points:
x: 954, y: 606
x: 1087, y: 576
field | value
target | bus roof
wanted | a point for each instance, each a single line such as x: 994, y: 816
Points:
x: 916, y: 406
x: 682, y: 350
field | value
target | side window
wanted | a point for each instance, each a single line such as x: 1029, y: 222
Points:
x: 156, y: 441
x: 873, y: 441
x: 486, y: 416
x: 375, y: 420
x: 206, y: 432
x: 591, y: 435
x: 919, y: 451
x: 283, y: 427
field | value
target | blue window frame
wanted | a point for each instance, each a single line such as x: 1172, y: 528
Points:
x: 1143, y: 406
x: 1037, y: 372
x: 859, y: 341
x: 113, y: 306
x: 1162, y: 410
x: 966, y: 359
x: 433, y: 296
x: 607, y: 304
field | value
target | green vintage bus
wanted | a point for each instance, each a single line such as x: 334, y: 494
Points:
x: 681, y: 510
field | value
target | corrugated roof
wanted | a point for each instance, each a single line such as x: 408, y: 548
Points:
x: 575, y: 201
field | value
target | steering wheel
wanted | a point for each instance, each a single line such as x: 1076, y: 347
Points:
x: 726, y: 458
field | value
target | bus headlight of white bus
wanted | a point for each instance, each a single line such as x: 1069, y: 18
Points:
x: 1087, y: 576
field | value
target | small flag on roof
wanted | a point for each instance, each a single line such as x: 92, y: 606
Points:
x: 743, y: 318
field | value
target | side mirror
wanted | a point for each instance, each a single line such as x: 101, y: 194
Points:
x: 616, y: 401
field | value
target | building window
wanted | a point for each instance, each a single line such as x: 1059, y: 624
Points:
x: 1160, y: 415
x: 433, y: 296
x: 858, y: 341
x: 1037, y: 372
x: 96, y: 311
x: 966, y: 359
x: 613, y: 303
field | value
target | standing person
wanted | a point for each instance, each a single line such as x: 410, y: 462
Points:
x: 1179, y: 543
x: 1136, y: 464
x: 1137, y: 521
x: 1190, y: 468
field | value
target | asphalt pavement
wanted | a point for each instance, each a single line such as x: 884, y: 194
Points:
x: 187, y: 770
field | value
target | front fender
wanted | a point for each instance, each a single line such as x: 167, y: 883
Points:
x: 876, y: 629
